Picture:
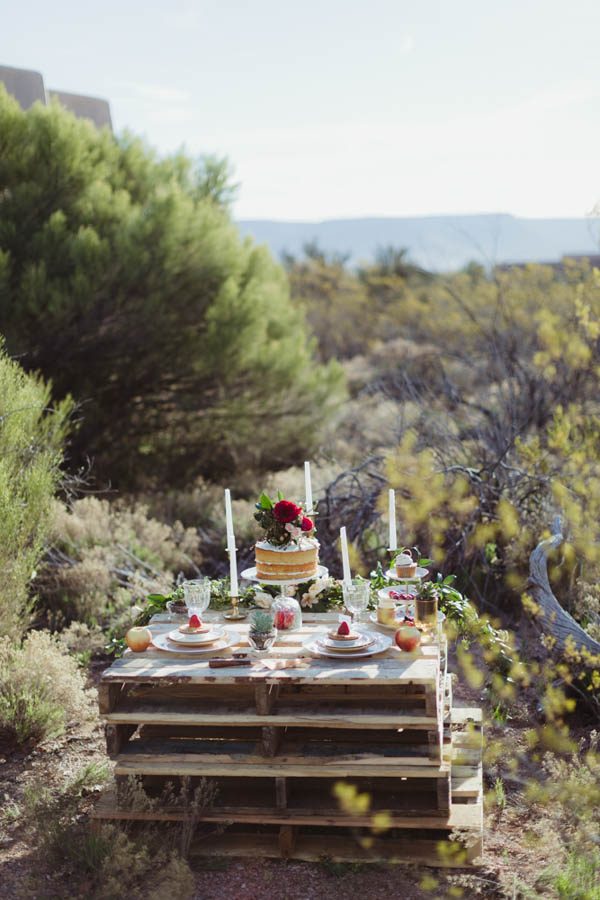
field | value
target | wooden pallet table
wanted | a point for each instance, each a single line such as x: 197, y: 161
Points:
x: 277, y: 743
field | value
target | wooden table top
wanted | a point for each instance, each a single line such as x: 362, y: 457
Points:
x: 390, y: 667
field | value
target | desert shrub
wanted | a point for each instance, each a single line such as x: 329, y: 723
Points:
x: 123, y: 278
x: 83, y: 641
x: 105, y: 556
x: 31, y: 437
x: 107, y: 861
x: 42, y: 690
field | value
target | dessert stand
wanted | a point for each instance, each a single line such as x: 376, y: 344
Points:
x: 421, y: 573
x: 250, y: 575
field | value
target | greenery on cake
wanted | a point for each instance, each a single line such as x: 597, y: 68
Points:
x: 283, y: 520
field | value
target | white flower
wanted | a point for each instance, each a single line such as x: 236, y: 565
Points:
x: 311, y: 597
x: 262, y: 599
x: 293, y: 530
x: 320, y: 585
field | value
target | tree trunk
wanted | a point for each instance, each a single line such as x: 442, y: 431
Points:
x: 555, y: 620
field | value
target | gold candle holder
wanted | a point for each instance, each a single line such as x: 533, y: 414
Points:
x: 235, y: 613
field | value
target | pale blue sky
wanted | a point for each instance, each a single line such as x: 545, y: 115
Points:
x: 345, y: 108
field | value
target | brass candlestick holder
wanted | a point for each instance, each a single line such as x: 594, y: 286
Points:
x: 235, y: 614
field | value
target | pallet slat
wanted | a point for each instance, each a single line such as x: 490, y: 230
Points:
x: 415, y: 851
x: 181, y: 764
x: 461, y: 816
x: 282, y: 716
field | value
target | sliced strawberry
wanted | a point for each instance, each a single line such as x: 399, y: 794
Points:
x: 195, y: 621
x: 344, y: 628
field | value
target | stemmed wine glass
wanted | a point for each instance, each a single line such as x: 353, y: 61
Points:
x: 356, y: 597
x: 197, y: 595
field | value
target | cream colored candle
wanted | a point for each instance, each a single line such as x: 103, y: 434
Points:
x: 393, y: 545
x: 308, y: 497
x: 347, y: 575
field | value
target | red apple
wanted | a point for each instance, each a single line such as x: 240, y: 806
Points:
x: 408, y: 638
x: 138, y: 638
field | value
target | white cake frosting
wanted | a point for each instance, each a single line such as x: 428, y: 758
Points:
x: 303, y: 543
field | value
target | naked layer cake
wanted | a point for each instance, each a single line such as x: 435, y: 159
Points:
x: 289, y: 550
x: 293, y: 561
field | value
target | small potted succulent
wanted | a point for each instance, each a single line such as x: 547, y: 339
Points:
x: 262, y: 632
x: 426, y: 603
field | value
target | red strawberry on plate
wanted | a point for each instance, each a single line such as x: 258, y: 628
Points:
x: 344, y: 628
x: 195, y: 621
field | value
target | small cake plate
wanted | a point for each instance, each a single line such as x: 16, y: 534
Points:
x: 421, y: 573
x: 373, y: 618
x: 250, y: 575
x: 216, y: 633
x: 380, y: 644
x: 360, y: 643
x: 162, y: 642
x: 384, y: 593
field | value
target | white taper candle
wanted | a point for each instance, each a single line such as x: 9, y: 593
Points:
x: 347, y: 575
x: 308, y: 497
x: 393, y: 545
x: 233, y: 576
x: 229, y: 519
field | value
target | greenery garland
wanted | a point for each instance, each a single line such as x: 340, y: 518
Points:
x: 326, y: 595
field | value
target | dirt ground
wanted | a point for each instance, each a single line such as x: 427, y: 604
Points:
x: 505, y: 854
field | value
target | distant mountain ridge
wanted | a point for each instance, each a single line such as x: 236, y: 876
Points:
x: 438, y: 243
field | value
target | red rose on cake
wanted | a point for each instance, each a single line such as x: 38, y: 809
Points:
x: 285, y: 511
x: 307, y: 524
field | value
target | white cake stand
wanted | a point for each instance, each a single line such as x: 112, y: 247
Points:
x: 250, y: 575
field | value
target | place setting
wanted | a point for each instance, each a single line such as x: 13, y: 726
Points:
x: 349, y: 640
x: 195, y: 637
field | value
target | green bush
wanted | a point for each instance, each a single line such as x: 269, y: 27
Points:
x: 42, y: 690
x: 103, y: 557
x: 31, y: 436
x: 123, y: 278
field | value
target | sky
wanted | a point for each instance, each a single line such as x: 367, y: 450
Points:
x: 344, y: 108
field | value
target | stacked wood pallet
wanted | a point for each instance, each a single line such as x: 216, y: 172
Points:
x: 277, y: 745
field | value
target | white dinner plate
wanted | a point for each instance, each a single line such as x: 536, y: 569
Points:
x: 207, y: 637
x: 382, y: 642
x: 162, y: 642
x: 391, y: 575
